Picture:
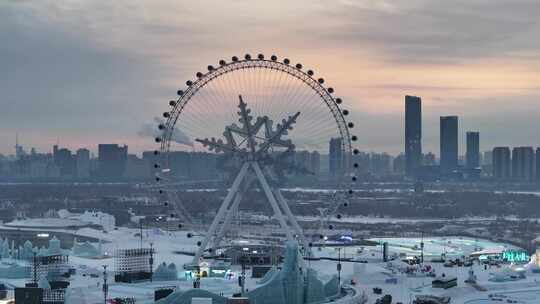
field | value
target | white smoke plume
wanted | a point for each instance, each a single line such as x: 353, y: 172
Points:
x: 151, y: 130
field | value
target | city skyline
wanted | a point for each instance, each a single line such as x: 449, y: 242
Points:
x: 486, y: 74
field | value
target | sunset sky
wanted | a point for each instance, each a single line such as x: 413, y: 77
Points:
x: 89, y: 72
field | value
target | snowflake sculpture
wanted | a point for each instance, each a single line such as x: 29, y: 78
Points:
x: 270, y: 149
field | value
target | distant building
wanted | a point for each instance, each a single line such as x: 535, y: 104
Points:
x: 413, y: 134
x: 136, y: 168
x: 363, y: 160
x: 429, y: 159
x: 523, y: 163
x: 112, y: 160
x: 472, y: 158
x: 302, y: 159
x: 487, y: 163
x: 203, y: 165
x: 82, y: 163
x: 380, y: 164
x: 501, y: 163
x: 335, y: 159
x: 398, y: 165
x: 449, y: 144
x: 315, y: 162
x: 64, y: 160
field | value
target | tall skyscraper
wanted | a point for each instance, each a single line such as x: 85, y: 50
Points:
x: 112, y: 160
x: 523, y: 163
x: 501, y: 163
x: 537, y: 164
x: 413, y: 134
x: 473, y: 150
x: 449, y: 144
x: 335, y: 159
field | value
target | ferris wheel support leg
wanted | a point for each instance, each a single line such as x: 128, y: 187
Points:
x: 221, y: 213
x: 232, y: 210
x: 179, y: 207
x: 272, y: 200
x: 228, y: 218
x: 293, y: 220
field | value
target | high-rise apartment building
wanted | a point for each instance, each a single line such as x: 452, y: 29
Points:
x: 472, y: 157
x: 335, y: 158
x: 112, y: 160
x: 523, y: 163
x: 501, y: 163
x: 537, y: 164
x: 82, y: 163
x: 449, y: 143
x: 413, y: 134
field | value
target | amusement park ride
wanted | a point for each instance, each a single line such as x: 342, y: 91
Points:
x: 260, y: 151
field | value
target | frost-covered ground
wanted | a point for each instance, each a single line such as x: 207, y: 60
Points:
x: 86, y: 289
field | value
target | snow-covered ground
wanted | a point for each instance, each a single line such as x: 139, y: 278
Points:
x: 87, y: 289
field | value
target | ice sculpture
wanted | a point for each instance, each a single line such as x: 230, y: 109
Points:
x: 54, y: 246
x: 5, y: 249
x: 314, y: 287
x: 85, y: 250
x: 166, y: 272
x: 184, y: 297
x: 43, y: 283
x: 15, y: 271
x: 331, y: 288
x: 294, y: 284
x: 27, y: 251
x: 269, y: 275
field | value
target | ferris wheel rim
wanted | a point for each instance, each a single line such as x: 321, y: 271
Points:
x: 252, y: 63
x: 307, y: 76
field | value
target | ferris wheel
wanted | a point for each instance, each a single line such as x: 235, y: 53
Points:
x: 264, y: 122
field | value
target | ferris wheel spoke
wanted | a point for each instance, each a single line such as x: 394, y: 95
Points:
x: 273, y: 89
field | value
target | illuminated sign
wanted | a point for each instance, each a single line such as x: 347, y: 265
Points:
x: 515, y: 256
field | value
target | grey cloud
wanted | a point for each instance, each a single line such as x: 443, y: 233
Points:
x: 438, y: 31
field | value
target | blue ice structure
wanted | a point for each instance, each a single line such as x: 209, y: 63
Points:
x: 54, y: 247
x: 165, y: 272
x: 86, y: 250
x: 184, y: 297
x: 293, y: 284
x: 269, y: 275
x: 4, y: 249
x: 27, y: 251
x: 15, y: 271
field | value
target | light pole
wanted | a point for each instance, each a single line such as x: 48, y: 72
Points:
x: 339, y: 267
x: 105, y: 286
x: 151, y: 261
